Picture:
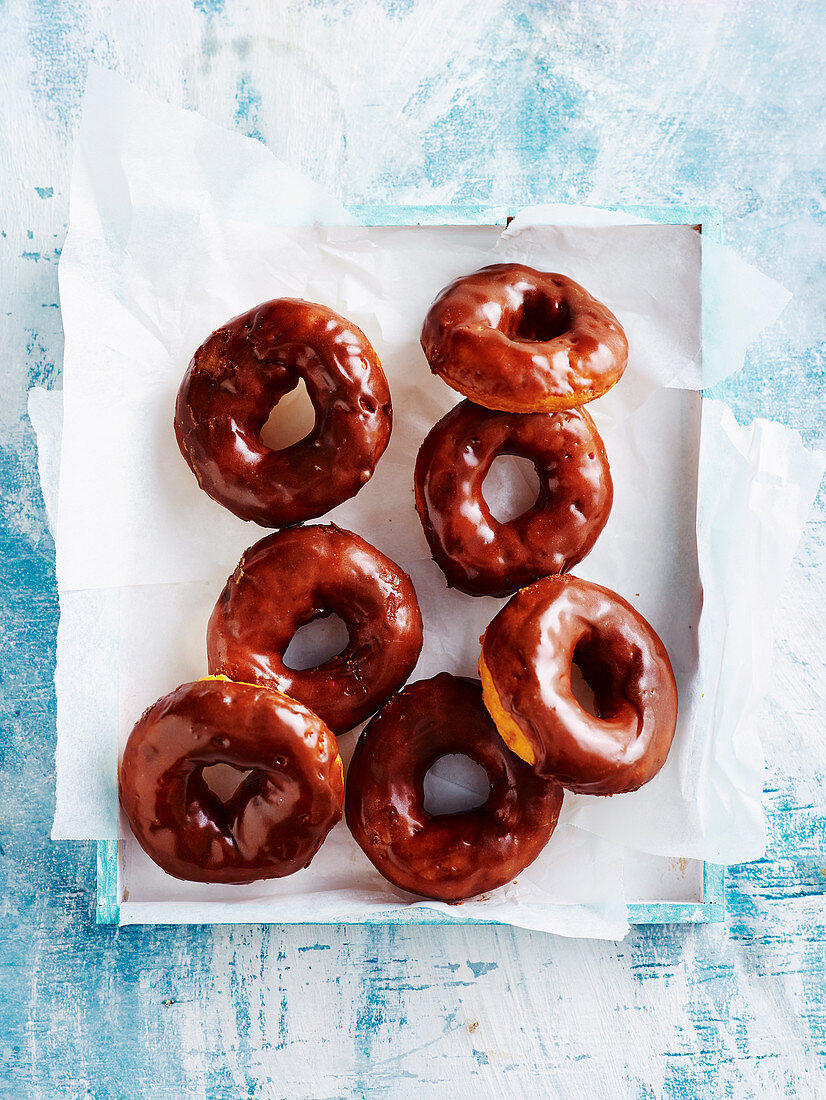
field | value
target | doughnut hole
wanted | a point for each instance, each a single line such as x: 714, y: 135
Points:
x: 455, y: 784
x: 291, y: 419
x: 539, y: 318
x: 582, y: 690
x: 597, y: 678
x: 318, y: 641
x: 511, y: 487
x: 224, y: 780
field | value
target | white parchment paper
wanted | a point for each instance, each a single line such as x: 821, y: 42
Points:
x: 175, y: 226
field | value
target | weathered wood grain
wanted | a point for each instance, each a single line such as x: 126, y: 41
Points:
x: 425, y: 101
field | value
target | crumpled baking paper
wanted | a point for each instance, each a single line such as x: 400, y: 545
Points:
x: 177, y: 225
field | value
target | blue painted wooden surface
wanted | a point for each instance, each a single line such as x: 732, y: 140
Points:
x: 425, y: 102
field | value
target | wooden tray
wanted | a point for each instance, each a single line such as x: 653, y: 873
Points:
x: 696, y: 890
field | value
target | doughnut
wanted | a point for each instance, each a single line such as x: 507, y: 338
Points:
x: 295, y: 576
x: 445, y: 856
x: 526, y: 667
x: 512, y: 338
x: 242, y: 371
x: 478, y: 554
x: 280, y: 813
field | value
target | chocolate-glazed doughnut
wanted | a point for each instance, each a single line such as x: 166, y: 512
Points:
x: 242, y: 371
x: 289, y: 579
x: 278, y: 816
x: 478, y: 554
x: 445, y: 856
x: 527, y: 655
x: 520, y: 340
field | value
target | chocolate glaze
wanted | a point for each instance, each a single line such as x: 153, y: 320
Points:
x: 513, y: 338
x: 242, y: 371
x: 478, y: 554
x: 446, y: 856
x: 293, y: 577
x: 277, y: 818
x: 527, y: 653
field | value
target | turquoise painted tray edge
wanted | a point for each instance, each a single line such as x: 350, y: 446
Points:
x: 708, y: 911
x: 712, y: 908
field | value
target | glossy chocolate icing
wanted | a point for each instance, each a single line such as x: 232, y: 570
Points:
x: 240, y: 373
x: 527, y: 654
x: 277, y: 818
x: 520, y: 340
x: 295, y: 576
x: 447, y: 856
x: 478, y: 554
